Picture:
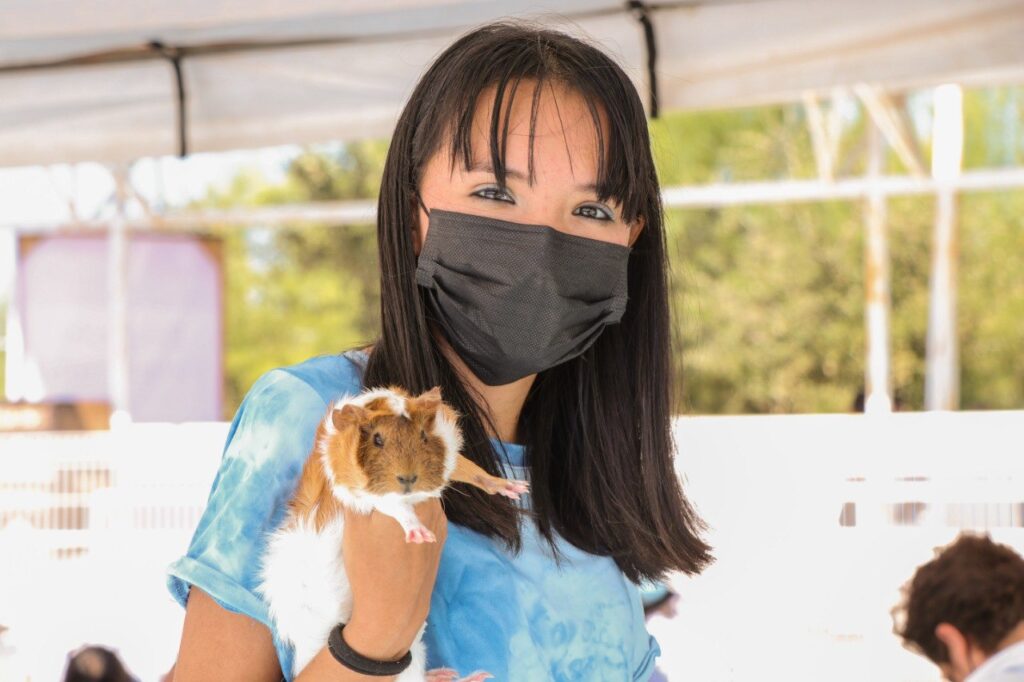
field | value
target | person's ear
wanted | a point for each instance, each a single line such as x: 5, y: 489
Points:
x: 635, y: 229
x: 957, y: 646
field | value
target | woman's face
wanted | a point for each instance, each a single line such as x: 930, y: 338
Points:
x: 565, y: 163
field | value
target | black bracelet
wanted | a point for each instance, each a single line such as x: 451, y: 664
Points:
x: 353, y: 660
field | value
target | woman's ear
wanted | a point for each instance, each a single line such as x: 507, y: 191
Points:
x: 635, y: 229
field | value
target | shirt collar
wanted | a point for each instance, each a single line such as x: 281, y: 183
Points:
x: 1000, y: 662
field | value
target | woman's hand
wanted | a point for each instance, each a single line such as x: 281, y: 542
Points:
x: 391, y: 579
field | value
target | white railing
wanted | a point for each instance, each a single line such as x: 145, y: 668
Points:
x: 800, y: 590
x: 88, y: 523
x: 71, y: 489
x: 795, y: 594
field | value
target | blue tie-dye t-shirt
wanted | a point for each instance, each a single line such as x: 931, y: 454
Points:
x: 519, y: 617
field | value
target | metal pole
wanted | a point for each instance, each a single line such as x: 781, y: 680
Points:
x: 117, y: 317
x: 877, y: 376
x: 942, y: 368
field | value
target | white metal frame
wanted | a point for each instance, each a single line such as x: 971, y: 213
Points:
x: 889, y: 124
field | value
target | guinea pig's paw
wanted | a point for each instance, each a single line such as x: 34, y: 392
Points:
x: 419, y: 534
x: 478, y: 676
x: 441, y: 675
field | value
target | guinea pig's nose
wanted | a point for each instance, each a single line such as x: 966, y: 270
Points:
x: 407, y: 480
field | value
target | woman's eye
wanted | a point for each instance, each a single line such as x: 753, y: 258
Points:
x: 499, y: 192
x: 588, y: 211
x: 598, y: 212
x: 378, y: 440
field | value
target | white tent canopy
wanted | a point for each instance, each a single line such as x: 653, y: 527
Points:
x: 263, y: 72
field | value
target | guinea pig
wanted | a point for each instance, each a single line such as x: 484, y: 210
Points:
x: 383, y: 450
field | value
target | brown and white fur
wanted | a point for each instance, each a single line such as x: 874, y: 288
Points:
x: 382, y: 449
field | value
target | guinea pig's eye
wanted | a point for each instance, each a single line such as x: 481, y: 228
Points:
x: 423, y: 435
x: 378, y: 440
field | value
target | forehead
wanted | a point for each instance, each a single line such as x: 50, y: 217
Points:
x: 565, y: 140
x: 390, y: 423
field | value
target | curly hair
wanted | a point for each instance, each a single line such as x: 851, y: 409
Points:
x: 975, y: 585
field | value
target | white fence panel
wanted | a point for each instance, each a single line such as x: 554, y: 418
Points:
x: 816, y: 522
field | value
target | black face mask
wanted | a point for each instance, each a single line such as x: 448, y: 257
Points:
x: 514, y: 299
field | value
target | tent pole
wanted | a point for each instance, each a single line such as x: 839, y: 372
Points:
x: 117, y: 315
x: 821, y: 141
x: 877, y: 375
x: 891, y: 120
x: 942, y: 369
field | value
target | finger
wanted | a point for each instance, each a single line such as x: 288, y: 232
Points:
x: 427, y: 512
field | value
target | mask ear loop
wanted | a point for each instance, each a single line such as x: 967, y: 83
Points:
x: 420, y: 200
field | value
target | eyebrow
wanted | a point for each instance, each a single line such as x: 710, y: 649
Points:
x: 484, y: 166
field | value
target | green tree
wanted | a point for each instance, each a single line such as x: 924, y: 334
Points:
x: 303, y: 289
x: 768, y: 300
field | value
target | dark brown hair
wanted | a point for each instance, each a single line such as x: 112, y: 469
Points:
x: 96, y: 664
x: 596, y: 428
x: 975, y: 585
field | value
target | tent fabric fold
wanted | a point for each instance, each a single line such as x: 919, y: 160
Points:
x: 263, y: 73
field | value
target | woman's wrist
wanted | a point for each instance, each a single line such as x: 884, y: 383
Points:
x: 373, y: 641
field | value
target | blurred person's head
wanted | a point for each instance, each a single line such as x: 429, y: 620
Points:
x: 95, y: 664
x: 964, y: 605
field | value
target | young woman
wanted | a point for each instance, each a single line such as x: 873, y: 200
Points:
x: 523, y: 270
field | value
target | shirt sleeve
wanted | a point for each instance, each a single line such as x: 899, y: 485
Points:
x: 649, y: 653
x: 268, y: 442
x: 645, y: 646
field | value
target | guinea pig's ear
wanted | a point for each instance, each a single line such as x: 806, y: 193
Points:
x: 429, y: 400
x: 349, y: 415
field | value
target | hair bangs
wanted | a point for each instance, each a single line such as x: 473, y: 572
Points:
x: 614, y: 181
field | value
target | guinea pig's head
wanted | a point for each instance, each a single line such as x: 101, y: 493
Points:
x: 400, y: 443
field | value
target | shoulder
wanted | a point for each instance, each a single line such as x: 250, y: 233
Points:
x: 267, y: 444
x: 276, y: 421
x: 328, y: 375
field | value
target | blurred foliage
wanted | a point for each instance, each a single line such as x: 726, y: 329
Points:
x: 768, y: 300
x: 994, y: 127
x: 304, y: 289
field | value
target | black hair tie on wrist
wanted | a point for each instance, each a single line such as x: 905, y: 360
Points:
x: 354, y: 660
